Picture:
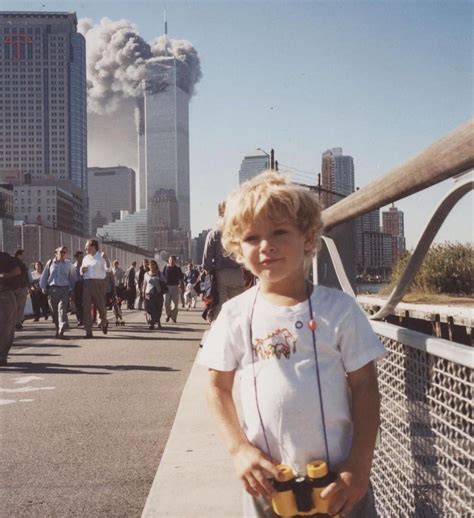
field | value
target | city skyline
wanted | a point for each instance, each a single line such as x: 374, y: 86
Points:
x: 381, y: 80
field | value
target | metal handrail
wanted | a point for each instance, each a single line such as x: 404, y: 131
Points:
x: 462, y: 187
x: 338, y: 266
x: 459, y: 354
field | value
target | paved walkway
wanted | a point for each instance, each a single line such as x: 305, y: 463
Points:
x: 195, y: 478
x: 98, y: 418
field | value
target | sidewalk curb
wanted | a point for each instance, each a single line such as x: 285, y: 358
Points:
x: 195, y: 477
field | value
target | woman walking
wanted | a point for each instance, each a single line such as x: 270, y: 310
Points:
x: 39, y: 300
x: 154, y: 286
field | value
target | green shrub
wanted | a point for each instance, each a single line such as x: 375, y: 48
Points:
x: 446, y: 268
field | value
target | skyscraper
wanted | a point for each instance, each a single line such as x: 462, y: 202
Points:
x: 252, y: 164
x: 43, y: 128
x: 392, y: 221
x: 164, y: 210
x: 337, y: 176
x: 365, y: 228
x: 393, y: 224
x: 163, y: 137
x: 111, y: 190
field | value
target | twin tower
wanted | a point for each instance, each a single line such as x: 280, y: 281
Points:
x: 163, y: 140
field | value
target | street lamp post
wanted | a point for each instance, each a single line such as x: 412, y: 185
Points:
x: 271, y: 155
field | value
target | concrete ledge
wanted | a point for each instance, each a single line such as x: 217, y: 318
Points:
x: 195, y: 476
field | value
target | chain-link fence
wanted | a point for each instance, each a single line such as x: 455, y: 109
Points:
x: 40, y: 242
x: 423, y: 463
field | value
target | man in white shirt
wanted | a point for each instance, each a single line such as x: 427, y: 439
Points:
x: 94, y: 267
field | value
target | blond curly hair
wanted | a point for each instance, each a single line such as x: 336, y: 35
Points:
x: 270, y: 196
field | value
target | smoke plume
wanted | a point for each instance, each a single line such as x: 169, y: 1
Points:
x: 116, y: 59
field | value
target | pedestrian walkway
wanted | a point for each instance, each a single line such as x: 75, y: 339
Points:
x: 92, y: 416
x: 195, y: 478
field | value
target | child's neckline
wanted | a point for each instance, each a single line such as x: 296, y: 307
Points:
x: 267, y: 301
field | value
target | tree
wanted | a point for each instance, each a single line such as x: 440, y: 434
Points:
x: 447, y: 268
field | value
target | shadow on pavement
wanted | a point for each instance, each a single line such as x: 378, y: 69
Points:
x: 33, y: 354
x: 51, y: 368
x: 62, y: 343
x: 156, y: 338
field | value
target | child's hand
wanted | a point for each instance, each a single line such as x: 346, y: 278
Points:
x: 253, y: 468
x: 349, y: 488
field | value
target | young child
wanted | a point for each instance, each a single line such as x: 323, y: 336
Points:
x: 266, y: 335
x: 190, y: 296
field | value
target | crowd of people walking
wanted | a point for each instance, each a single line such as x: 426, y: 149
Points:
x: 90, y: 284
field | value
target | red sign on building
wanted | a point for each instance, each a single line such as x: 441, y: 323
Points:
x: 16, y: 41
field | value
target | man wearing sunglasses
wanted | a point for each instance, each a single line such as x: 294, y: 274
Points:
x: 57, y: 281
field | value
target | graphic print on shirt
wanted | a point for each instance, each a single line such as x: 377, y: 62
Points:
x: 280, y: 343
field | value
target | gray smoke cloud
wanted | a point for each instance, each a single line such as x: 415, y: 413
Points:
x: 189, y: 65
x: 116, y: 59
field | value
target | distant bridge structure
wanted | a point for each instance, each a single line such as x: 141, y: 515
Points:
x: 425, y: 453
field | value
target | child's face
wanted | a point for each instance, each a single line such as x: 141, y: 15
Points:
x: 273, y: 251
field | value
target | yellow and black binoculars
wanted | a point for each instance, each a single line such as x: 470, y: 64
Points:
x: 301, y: 496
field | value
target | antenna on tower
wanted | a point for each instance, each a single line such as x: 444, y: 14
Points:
x: 166, y: 28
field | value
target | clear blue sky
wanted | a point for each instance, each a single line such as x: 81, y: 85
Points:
x: 382, y: 80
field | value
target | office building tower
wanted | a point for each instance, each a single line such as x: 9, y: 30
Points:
x: 163, y: 218
x: 374, y: 248
x: 6, y: 218
x: 377, y: 253
x: 393, y: 224
x: 111, y: 190
x: 337, y: 176
x: 367, y: 223
x: 393, y: 221
x: 197, y: 246
x: 252, y: 164
x: 163, y: 138
x: 164, y: 210
x: 53, y: 203
x: 43, y: 128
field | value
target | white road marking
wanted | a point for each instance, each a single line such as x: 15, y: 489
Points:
x: 25, y: 389
x: 25, y: 400
x: 6, y: 401
x: 26, y: 379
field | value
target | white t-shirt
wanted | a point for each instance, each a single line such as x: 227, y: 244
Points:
x: 285, y: 370
x: 96, y: 266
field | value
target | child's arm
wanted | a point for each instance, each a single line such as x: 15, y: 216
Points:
x: 251, y: 464
x: 353, y: 481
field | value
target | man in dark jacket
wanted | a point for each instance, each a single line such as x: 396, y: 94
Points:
x: 130, y: 287
x: 174, y: 280
x: 10, y: 273
x: 21, y: 290
x: 227, y: 272
x: 145, y: 267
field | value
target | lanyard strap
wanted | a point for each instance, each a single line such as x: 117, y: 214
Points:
x: 318, y: 377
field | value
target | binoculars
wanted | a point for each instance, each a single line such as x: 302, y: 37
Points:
x: 301, y: 496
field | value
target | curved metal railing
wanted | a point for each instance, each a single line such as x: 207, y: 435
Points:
x: 460, y: 189
x: 423, y: 463
x: 450, y: 156
x: 421, y: 249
